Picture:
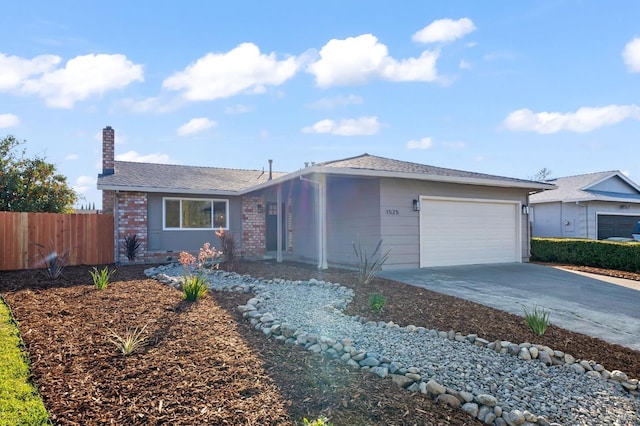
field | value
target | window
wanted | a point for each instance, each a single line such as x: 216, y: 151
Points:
x: 192, y: 213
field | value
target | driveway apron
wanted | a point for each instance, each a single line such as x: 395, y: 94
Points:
x: 575, y: 302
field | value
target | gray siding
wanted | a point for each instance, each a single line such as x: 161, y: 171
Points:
x: 547, y: 220
x: 353, y: 214
x: 401, y: 232
x: 187, y: 240
x: 574, y: 220
x: 305, y: 221
x: 614, y: 184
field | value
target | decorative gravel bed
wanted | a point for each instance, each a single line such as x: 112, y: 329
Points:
x: 497, y: 382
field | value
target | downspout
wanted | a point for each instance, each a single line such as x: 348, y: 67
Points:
x: 586, y: 216
x: 322, y: 219
x: 279, y: 224
x: 116, y: 227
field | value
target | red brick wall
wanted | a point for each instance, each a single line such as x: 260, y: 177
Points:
x: 132, y: 219
x: 108, y: 149
x: 253, y: 226
x: 108, y: 201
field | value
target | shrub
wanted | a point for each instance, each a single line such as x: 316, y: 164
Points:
x: 194, y: 287
x: 369, y: 265
x: 229, y: 249
x: 101, y: 278
x: 53, y: 262
x: 582, y: 252
x: 131, y: 341
x: 132, y: 246
x: 537, y: 320
x: 377, y: 302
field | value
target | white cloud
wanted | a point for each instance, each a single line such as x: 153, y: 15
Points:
x: 83, y: 77
x: 335, y: 102
x: 15, y: 70
x: 346, y: 127
x: 84, y: 184
x: 424, y: 143
x: 444, y: 30
x: 195, y: 125
x: 422, y: 68
x: 464, y: 65
x: 631, y: 55
x: 356, y: 60
x: 71, y: 157
x: 220, y: 75
x: 583, y: 120
x: 9, y: 120
x: 149, y: 158
x: 156, y: 104
x: 238, y: 109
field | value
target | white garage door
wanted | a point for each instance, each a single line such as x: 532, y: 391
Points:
x: 467, y: 232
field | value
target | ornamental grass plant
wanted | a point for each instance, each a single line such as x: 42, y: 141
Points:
x: 537, y: 320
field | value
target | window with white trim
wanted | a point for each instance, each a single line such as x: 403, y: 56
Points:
x: 195, y: 213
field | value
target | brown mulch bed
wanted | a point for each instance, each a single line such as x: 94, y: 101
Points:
x: 204, y: 364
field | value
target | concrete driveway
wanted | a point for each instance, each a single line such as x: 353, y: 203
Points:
x: 577, y: 302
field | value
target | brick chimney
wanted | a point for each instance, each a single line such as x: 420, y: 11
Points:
x: 108, y: 168
x: 108, y: 141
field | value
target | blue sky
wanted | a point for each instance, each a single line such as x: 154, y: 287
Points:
x: 505, y: 88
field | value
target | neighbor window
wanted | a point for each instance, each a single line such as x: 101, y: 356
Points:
x: 184, y: 213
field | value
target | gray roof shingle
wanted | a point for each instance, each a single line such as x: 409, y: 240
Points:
x: 372, y: 162
x: 576, y: 188
x: 174, y: 178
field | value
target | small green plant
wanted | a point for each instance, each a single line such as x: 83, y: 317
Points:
x: 131, y: 341
x: 51, y: 262
x: 101, y: 278
x: 369, y: 265
x: 229, y: 249
x: 377, y: 302
x: 537, y: 320
x: 194, y: 287
x: 132, y: 246
x: 321, y: 421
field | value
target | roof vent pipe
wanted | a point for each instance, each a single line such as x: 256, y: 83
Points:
x: 270, y: 169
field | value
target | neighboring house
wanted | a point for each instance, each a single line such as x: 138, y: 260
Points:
x: 595, y: 206
x: 426, y: 216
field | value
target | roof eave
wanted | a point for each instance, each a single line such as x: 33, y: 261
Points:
x: 154, y: 190
x: 400, y: 175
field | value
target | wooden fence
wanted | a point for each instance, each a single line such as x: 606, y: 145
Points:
x: 87, y: 237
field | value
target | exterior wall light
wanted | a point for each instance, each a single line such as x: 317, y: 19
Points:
x: 416, y: 205
x: 525, y: 209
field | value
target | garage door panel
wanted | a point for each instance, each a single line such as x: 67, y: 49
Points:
x: 616, y: 225
x: 457, y: 232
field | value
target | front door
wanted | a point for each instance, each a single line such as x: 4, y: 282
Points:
x: 272, y: 227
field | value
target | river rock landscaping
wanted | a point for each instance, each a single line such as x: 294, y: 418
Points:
x: 210, y: 362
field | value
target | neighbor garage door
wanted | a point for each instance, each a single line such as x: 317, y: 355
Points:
x: 466, y: 232
x: 614, y: 225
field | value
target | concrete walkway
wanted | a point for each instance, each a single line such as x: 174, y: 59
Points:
x: 603, y: 307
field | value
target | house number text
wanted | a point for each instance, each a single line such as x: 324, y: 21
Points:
x: 393, y: 211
